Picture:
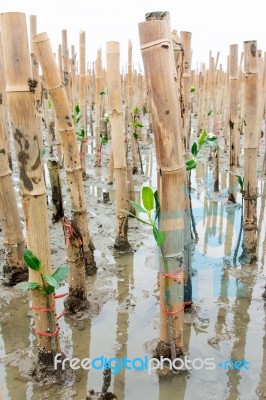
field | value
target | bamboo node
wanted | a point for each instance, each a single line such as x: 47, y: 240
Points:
x: 32, y: 84
x: 156, y: 43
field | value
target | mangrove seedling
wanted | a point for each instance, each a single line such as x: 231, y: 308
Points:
x: 49, y: 282
x: 205, y: 139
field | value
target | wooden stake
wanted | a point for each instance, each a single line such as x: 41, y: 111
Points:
x: 68, y: 136
x: 250, y: 151
x: 14, y: 267
x: 158, y: 60
x: 20, y: 97
x: 118, y: 147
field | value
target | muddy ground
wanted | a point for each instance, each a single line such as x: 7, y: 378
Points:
x: 124, y: 290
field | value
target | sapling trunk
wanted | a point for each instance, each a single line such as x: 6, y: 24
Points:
x: 20, y: 97
x: 14, y: 267
x: 68, y: 136
x: 158, y: 60
x: 250, y: 151
x: 119, y: 153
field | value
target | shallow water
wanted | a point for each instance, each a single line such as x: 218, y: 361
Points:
x: 226, y: 296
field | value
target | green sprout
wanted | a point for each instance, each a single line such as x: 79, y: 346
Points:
x: 49, y: 282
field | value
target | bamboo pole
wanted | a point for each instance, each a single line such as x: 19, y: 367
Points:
x: 57, y: 200
x: 250, y: 151
x: 130, y: 96
x: 3, y: 107
x: 82, y: 99
x: 65, y: 66
x: 119, y: 154
x: 32, y: 189
x: 98, y: 101
x: 234, y: 100
x: 68, y: 136
x: 186, y: 76
x: 14, y: 267
x: 158, y: 60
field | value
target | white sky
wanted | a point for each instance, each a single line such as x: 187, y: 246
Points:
x: 214, y: 24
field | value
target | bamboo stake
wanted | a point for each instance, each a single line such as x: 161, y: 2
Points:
x: 3, y: 107
x: 119, y: 154
x: 158, y: 60
x: 82, y: 99
x: 68, y: 136
x: 65, y: 66
x: 57, y: 200
x: 250, y: 151
x: 186, y: 45
x: 98, y: 101
x: 32, y: 189
x: 14, y: 268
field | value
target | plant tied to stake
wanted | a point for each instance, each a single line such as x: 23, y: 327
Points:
x: 49, y: 282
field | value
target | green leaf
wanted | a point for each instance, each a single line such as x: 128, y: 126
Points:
x: 157, y: 204
x: 42, y: 152
x: 192, y: 89
x: 209, y: 113
x: 161, y: 238
x: 211, y: 138
x: 77, y: 109
x: 102, y: 93
x: 202, y: 137
x: 190, y: 164
x: 32, y: 261
x: 42, y: 291
x: 155, y: 233
x: 241, y: 182
x: 61, y: 273
x: 137, y: 207
x: 135, y: 216
x: 51, y: 280
x: 140, y: 125
x: 50, y: 104
x: 28, y: 285
x: 194, y: 149
x: 147, y: 198
x: 79, y: 137
x: 135, y: 135
x: 136, y: 110
x: 78, y: 119
x: 49, y: 289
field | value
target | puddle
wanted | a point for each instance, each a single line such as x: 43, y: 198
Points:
x: 229, y: 322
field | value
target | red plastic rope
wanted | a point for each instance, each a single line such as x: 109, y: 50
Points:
x: 44, y: 309
x: 59, y: 296
x: 48, y: 334
x: 69, y: 233
x: 61, y: 315
x: 172, y: 312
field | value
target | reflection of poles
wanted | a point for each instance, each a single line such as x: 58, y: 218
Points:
x: 124, y: 288
x: 262, y: 382
x: 12, y: 342
x: 241, y: 321
x: 223, y: 297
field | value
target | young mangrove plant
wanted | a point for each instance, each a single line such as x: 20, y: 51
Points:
x: 205, y: 140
